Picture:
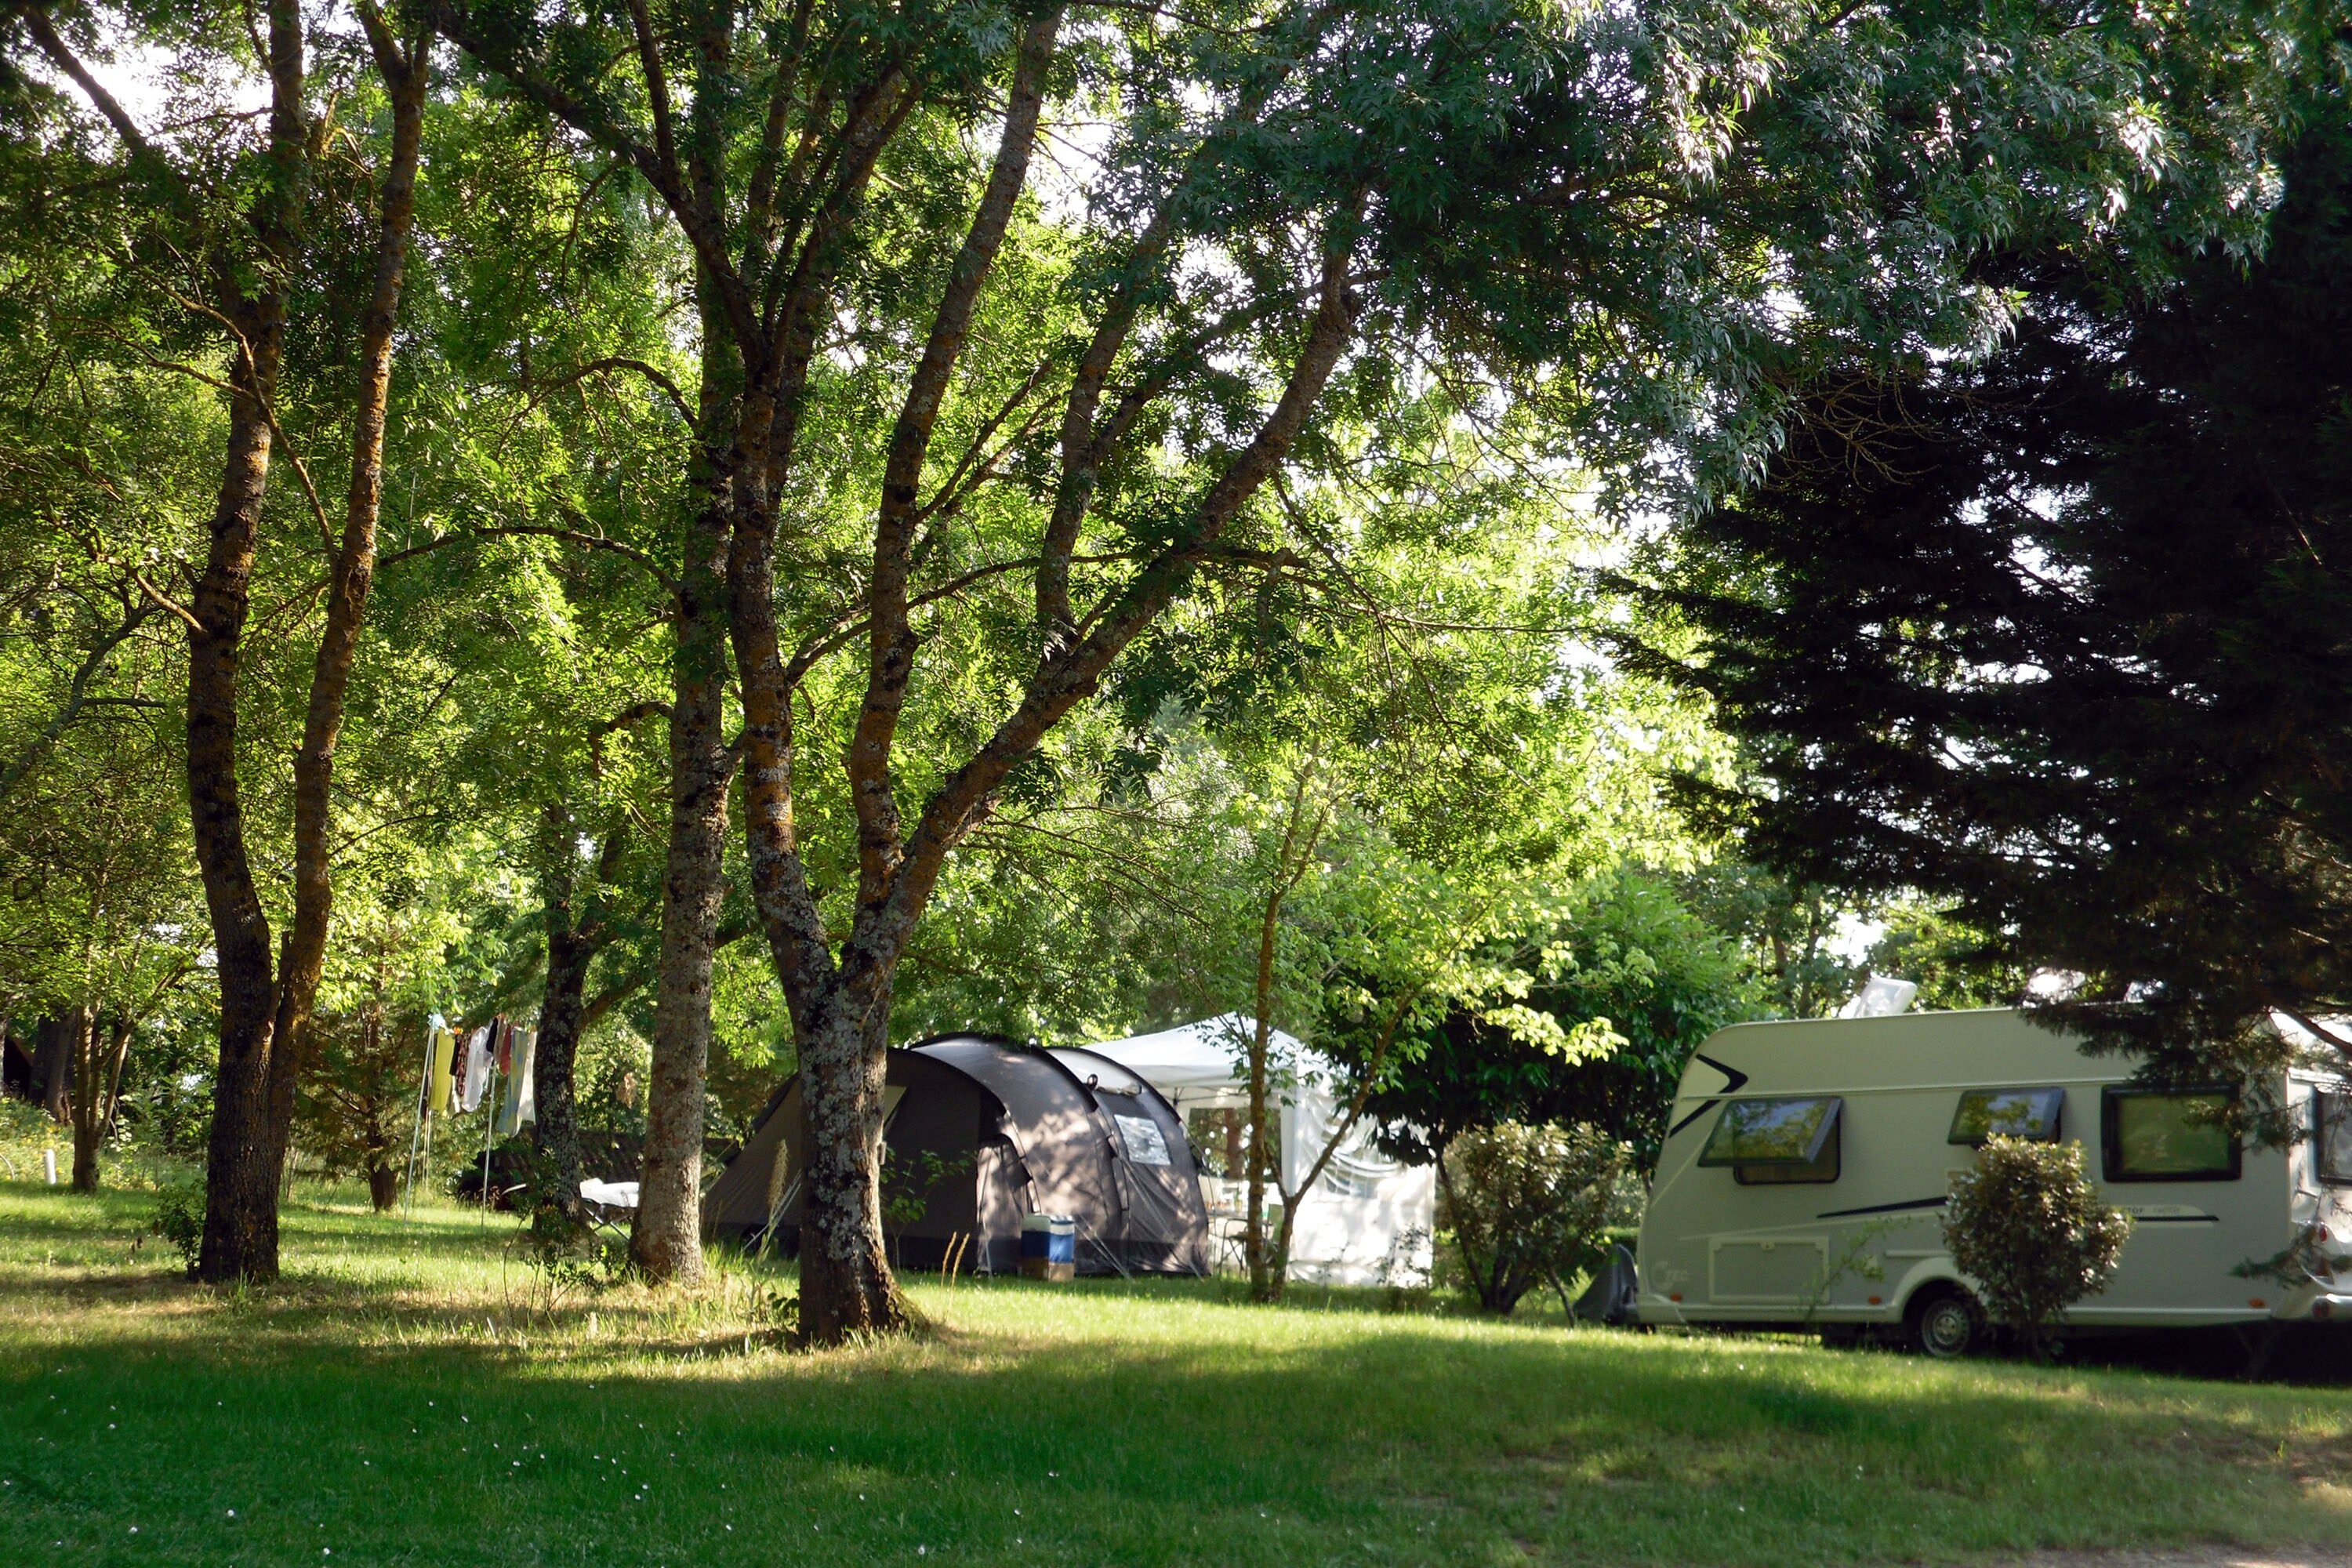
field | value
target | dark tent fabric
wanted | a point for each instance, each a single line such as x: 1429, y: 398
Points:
x: 982, y: 1130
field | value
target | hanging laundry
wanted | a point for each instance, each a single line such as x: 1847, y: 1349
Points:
x: 477, y: 1068
x: 438, y: 1082
x: 517, y: 1106
x: 502, y: 1036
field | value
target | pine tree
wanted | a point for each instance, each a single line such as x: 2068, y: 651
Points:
x: 2065, y: 637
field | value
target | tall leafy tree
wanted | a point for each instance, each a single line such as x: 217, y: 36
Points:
x: 2058, y: 637
x: 233, y: 225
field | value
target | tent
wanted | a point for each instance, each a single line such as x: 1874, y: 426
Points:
x: 980, y: 1131
x: 1369, y: 1218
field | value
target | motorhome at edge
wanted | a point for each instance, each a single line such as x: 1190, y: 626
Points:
x: 1806, y: 1166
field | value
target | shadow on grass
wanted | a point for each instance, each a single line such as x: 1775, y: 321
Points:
x: 354, y: 1419
x: 1420, y: 1443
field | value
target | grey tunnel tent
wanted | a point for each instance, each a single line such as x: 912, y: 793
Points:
x: 1010, y: 1130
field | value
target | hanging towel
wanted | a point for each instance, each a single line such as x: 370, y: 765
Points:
x: 477, y: 1068
x: 438, y: 1083
x: 502, y: 1036
x: 515, y: 1106
x: 526, y: 1077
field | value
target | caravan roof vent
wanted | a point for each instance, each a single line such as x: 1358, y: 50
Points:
x: 1881, y: 997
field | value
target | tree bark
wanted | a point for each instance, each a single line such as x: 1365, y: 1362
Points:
x: 841, y: 1013
x: 570, y: 951
x: 1265, y: 1280
x: 53, y: 1061
x: 846, y: 1286
x: 89, y: 1096
x: 240, y: 1239
x: 666, y: 1241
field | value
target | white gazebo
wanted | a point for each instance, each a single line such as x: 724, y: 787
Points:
x: 1368, y: 1216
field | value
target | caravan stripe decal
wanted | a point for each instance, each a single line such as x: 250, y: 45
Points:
x: 1704, y: 1105
x: 1886, y: 1208
x: 1733, y: 1081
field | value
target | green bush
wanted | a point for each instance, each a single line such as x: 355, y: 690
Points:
x: 2028, y: 1226
x: 1527, y: 1205
x: 180, y: 1219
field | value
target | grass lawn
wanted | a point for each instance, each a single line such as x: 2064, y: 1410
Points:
x: 411, y: 1394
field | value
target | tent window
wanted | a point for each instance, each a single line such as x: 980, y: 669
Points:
x: 2331, y: 1130
x: 2029, y: 1113
x: 2155, y: 1136
x: 1773, y: 1142
x: 1145, y: 1144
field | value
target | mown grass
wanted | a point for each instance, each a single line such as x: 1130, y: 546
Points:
x: 414, y: 1393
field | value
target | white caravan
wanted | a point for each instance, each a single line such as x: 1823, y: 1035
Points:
x: 1805, y: 1168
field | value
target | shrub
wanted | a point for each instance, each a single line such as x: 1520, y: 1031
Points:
x: 2028, y: 1226
x: 180, y: 1219
x: 1527, y: 1205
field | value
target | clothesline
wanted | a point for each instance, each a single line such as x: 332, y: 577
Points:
x: 460, y: 1071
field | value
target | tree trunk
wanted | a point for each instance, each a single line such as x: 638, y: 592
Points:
x: 556, y: 1128
x: 240, y: 1239
x: 52, y: 1082
x: 89, y: 1099
x: 1265, y: 1280
x: 846, y: 1286
x: 383, y: 1184
x: 123, y: 1030
x: 666, y: 1241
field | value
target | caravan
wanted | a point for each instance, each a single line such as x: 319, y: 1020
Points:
x: 1805, y: 1168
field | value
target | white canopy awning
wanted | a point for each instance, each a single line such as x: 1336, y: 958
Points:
x: 1208, y: 1062
x: 1366, y: 1204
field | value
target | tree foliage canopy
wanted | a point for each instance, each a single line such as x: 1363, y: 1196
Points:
x: 2057, y: 637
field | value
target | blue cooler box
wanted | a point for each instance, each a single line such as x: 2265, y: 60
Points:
x: 1049, y: 1246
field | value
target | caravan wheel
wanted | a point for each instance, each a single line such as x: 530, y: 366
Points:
x: 1944, y: 1322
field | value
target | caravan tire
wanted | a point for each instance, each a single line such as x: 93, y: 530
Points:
x: 1944, y: 1322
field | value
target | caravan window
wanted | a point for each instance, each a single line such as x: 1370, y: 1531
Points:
x: 2332, y: 1116
x: 2031, y: 1113
x: 1768, y: 1141
x: 2155, y: 1136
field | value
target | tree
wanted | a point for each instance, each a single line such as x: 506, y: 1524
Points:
x: 96, y: 899
x: 2051, y: 638
x: 2027, y: 1226
x: 1953, y: 964
x: 1619, y: 958
x: 1790, y: 931
x: 241, y: 215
